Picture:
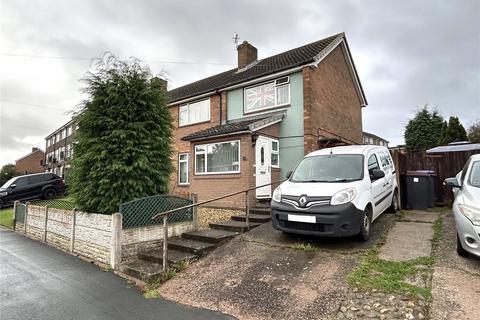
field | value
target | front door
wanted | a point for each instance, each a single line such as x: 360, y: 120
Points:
x: 263, y: 171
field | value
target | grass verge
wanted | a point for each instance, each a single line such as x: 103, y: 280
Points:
x: 389, y: 276
x: 6, y: 217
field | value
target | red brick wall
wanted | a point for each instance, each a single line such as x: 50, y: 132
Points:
x: 30, y: 164
x: 331, y: 101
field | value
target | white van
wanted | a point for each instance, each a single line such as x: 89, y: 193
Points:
x: 336, y: 192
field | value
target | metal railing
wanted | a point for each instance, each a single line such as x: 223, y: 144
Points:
x: 165, y: 214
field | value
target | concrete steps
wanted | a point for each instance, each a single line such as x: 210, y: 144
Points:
x: 236, y: 226
x: 194, y: 244
x: 210, y: 235
x: 143, y: 270
x: 257, y: 218
x: 260, y: 210
x: 189, y: 245
x: 174, y: 256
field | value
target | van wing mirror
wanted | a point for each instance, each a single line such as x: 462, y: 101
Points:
x: 452, y: 182
x: 377, y: 174
x: 289, y: 173
x: 13, y: 186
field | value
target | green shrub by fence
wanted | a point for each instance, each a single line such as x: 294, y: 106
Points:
x: 139, y: 212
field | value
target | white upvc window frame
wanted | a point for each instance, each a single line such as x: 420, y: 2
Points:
x: 180, y: 161
x: 187, y: 105
x: 277, y: 152
x: 276, y: 86
x: 206, y: 158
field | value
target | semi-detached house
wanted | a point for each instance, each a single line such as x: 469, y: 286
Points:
x: 251, y: 125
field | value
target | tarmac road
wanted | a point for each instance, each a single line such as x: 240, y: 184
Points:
x: 41, y: 282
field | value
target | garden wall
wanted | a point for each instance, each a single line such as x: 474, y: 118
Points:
x: 98, y: 237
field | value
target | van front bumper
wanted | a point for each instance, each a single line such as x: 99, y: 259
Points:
x: 330, y: 221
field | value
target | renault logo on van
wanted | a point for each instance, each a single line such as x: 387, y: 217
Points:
x: 302, y: 201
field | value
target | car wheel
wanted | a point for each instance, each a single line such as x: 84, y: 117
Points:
x: 461, y: 252
x: 49, y: 193
x: 394, y: 207
x: 364, y: 233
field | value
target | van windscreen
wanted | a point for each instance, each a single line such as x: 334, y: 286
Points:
x: 329, y: 168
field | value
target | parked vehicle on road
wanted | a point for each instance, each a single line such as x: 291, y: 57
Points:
x: 337, y: 192
x: 31, y: 187
x: 466, y: 206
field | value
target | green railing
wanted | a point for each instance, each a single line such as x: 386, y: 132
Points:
x: 139, y: 212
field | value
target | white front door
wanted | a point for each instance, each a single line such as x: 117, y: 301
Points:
x: 263, y: 171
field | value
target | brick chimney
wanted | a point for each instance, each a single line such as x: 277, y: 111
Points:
x: 246, y: 54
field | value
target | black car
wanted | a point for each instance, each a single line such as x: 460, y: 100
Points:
x: 30, y: 187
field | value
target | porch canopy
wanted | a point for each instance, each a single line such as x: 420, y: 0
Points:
x: 236, y: 127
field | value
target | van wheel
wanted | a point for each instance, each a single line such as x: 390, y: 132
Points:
x: 364, y: 233
x: 394, y: 206
x: 461, y: 252
x: 49, y: 193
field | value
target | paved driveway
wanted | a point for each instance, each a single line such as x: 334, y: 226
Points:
x: 40, y: 282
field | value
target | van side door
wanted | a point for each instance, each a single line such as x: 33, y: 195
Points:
x: 387, y: 167
x: 377, y: 185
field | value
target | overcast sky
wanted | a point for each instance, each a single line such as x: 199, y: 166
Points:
x: 407, y: 53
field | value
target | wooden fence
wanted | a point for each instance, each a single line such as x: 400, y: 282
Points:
x: 445, y: 164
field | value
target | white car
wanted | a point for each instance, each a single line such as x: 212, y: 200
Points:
x: 466, y: 207
x: 336, y: 192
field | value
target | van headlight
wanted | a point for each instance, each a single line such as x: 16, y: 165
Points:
x: 471, y: 213
x: 277, y: 195
x: 343, y: 196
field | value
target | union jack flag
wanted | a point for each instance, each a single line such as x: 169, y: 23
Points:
x: 261, y: 96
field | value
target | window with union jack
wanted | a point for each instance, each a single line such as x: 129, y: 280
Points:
x: 267, y: 95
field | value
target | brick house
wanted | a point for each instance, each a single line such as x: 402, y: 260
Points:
x: 370, y: 138
x: 59, y: 149
x: 251, y: 125
x: 30, y: 163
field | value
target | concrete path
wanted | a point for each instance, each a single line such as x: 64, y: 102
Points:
x: 40, y: 282
x: 456, y: 280
x: 409, y: 239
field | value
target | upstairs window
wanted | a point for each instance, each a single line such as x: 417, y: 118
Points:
x: 194, y: 112
x: 267, y: 95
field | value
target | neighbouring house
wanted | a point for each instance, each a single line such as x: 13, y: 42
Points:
x: 370, y: 138
x: 249, y: 126
x: 30, y: 163
x: 59, y: 149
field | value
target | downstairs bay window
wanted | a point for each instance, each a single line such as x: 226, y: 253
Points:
x: 217, y: 158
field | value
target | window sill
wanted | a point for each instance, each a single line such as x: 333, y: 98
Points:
x: 267, y: 109
x: 193, y: 124
x: 184, y: 184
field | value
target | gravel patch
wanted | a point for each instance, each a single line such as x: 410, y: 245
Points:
x: 373, y: 304
x: 213, y: 215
